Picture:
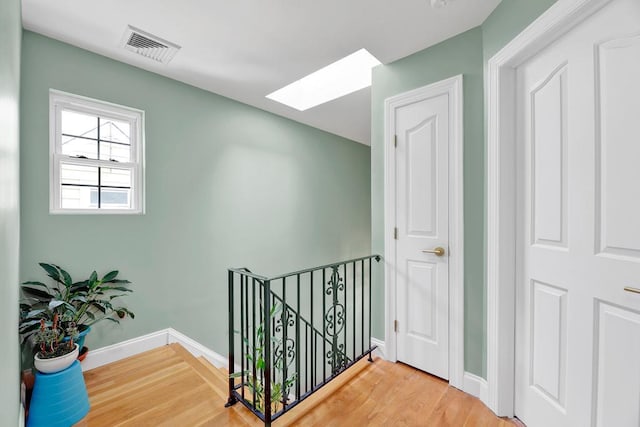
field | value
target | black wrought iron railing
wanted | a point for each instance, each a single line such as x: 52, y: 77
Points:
x: 290, y: 335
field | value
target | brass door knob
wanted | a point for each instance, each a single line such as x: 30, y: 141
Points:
x: 439, y: 251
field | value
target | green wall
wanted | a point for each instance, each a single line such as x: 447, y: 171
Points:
x: 459, y: 55
x: 10, y: 43
x: 227, y: 185
x: 464, y: 54
x: 507, y: 21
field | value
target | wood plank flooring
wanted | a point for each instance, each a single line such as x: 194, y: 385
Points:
x: 169, y: 387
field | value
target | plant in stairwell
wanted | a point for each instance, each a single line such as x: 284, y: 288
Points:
x: 279, y: 389
x: 77, y: 305
x: 53, y: 354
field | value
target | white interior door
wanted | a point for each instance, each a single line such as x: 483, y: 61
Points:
x: 577, y: 329
x: 422, y: 280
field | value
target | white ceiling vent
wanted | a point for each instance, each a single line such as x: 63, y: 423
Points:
x: 148, y: 45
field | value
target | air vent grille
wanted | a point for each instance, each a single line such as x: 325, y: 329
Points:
x: 148, y: 45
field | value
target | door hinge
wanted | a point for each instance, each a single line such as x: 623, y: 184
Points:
x: 395, y: 326
x: 395, y: 140
x: 395, y: 233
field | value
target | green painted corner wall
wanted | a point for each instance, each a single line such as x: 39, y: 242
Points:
x: 10, y: 45
x: 226, y: 185
x: 507, y: 21
x: 459, y: 55
x: 464, y: 54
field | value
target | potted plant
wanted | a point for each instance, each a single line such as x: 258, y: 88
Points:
x: 81, y: 304
x: 255, y: 384
x: 53, y: 355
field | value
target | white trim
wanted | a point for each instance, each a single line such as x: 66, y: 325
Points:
x: 198, y: 349
x: 58, y: 101
x: 501, y: 191
x: 21, y: 417
x: 124, y: 349
x: 113, y: 353
x: 476, y: 386
x: 454, y: 88
x: 380, y: 351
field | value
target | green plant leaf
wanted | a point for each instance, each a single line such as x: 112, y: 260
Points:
x: 118, y: 281
x: 110, y: 276
x: 126, y: 311
x: 37, y: 293
x: 29, y: 324
x: 53, y: 304
x: 52, y: 271
x: 36, y: 284
x: 99, y: 306
x: 238, y: 374
x: 80, y: 286
x: 115, y: 288
x: 67, y: 281
x: 275, y: 309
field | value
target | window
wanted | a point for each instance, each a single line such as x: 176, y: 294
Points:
x: 97, y: 156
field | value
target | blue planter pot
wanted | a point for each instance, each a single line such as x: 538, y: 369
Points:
x: 58, y: 400
x: 81, y: 337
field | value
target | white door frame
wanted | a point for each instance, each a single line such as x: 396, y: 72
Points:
x: 501, y: 191
x: 453, y: 88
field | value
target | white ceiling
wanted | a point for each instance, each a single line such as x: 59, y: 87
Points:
x: 246, y: 49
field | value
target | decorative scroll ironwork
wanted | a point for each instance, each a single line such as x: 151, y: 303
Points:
x: 284, y: 351
x: 287, y: 317
x: 335, y: 320
x: 284, y: 356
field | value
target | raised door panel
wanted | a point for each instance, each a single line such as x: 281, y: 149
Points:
x: 549, y: 347
x: 549, y: 160
x: 422, y: 301
x: 618, y: 147
x: 422, y: 173
x: 617, y: 389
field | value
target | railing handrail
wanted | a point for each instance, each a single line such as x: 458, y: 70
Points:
x: 247, y: 272
x: 268, y: 346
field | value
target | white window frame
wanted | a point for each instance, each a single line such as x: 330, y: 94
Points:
x: 59, y: 101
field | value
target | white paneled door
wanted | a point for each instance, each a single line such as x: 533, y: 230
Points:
x: 577, y: 328
x: 422, y: 282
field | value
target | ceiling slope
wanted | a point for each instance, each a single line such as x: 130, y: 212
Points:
x: 245, y: 50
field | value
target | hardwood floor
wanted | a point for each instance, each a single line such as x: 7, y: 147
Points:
x: 169, y: 387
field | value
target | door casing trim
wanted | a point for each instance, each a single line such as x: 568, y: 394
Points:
x: 453, y: 88
x: 500, y: 89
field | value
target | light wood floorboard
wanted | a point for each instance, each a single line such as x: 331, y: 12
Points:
x: 169, y: 387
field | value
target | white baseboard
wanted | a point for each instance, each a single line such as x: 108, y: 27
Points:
x: 122, y: 350
x: 198, y: 349
x: 21, y: 416
x: 476, y: 386
x: 380, y: 351
x: 472, y: 384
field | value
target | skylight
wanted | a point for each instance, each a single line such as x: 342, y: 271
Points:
x: 341, y: 78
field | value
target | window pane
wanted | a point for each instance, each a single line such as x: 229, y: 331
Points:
x: 79, y: 175
x: 72, y: 146
x: 114, y: 130
x: 79, y: 124
x: 115, y: 198
x: 115, y: 177
x: 73, y: 197
x: 119, y: 152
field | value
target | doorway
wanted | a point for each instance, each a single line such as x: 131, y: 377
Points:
x: 424, y: 229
